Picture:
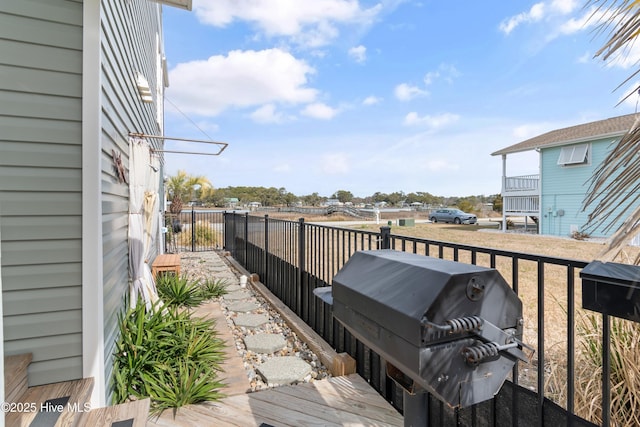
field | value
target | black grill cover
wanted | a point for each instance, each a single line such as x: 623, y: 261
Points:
x: 384, y: 297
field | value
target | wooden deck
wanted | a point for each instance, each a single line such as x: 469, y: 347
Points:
x: 337, y: 401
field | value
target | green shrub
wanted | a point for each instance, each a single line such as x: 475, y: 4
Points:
x: 212, y: 289
x: 178, y: 290
x: 166, y: 355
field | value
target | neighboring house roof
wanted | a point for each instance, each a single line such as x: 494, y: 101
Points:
x: 612, y: 127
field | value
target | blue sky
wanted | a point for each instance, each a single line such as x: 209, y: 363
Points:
x: 381, y: 95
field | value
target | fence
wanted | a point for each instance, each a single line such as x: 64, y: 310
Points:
x: 193, y: 230
x: 293, y: 257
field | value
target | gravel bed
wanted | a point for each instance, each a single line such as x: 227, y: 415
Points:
x: 211, y: 265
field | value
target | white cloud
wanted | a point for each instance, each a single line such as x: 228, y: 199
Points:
x: 335, y: 164
x: 564, y: 7
x: 574, y: 25
x: 307, y: 22
x: 240, y: 79
x: 551, y: 11
x: 358, y: 53
x: 534, y: 14
x: 371, y: 100
x: 406, y: 92
x: 319, y: 110
x: 267, y: 114
x: 433, y: 122
x: 446, y: 72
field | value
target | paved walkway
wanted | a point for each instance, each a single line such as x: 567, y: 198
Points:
x: 255, y: 337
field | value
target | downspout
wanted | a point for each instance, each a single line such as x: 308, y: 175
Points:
x: 1, y: 324
x: 93, y: 358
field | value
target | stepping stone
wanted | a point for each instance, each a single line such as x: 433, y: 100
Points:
x: 265, y: 343
x: 284, y: 370
x: 243, y: 306
x: 233, y: 288
x: 237, y: 295
x: 251, y: 320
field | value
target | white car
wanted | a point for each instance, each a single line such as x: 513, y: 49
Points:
x: 455, y: 216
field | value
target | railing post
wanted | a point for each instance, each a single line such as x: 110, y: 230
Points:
x: 246, y: 239
x: 265, y: 270
x: 193, y: 229
x: 224, y: 231
x: 301, y: 264
x: 234, y: 236
x: 385, y: 237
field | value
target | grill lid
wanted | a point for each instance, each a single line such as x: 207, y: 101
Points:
x: 450, y: 328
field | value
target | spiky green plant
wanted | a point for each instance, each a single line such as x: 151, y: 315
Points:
x: 167, y: 355
x: 213, y: 288
x: 179, y: 290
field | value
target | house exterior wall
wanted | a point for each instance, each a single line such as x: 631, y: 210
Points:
x: 563, y: 190
x: 129, y: 43
x: 40, y: 184
x: 68, y: 98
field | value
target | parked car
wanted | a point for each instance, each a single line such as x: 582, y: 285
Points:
x: 455, y: 216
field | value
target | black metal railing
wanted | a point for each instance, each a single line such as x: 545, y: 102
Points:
x: 193, y: 230
x: 294, y: 257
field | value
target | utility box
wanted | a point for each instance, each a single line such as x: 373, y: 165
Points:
x: 406, y: 222
x: 613, y: 289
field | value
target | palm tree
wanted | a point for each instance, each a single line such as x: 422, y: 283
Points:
x: 183, y: 187
x: 616, y: 181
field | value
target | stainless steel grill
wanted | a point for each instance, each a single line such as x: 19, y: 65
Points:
x: 452, y: 329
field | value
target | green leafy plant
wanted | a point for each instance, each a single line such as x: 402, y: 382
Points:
x: 167, y: 355
x: 178, y: 290
x: 212, y: 288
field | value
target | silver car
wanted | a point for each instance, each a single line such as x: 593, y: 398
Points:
x: 455, y: 216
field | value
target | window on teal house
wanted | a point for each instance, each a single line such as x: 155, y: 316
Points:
x: 574, y: 155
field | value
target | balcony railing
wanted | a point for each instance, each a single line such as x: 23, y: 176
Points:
x: 528, y: 183
x: 525, y: 205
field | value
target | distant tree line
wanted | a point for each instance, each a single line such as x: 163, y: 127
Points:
x: 184, y: 188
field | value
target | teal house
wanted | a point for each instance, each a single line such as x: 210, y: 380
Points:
x: 568, y: 158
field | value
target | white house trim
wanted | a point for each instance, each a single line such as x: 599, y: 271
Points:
x: 92, y: 266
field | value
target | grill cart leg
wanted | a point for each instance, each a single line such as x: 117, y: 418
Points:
x: 416, y: 409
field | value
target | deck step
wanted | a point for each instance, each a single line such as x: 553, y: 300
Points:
x: 15, y: 376
x: 132, y: 414
x: 58, y: 404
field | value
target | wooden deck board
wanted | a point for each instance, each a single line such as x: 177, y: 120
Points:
x: 77, y: 390
x: 337, y: 401
x: 104, y: 417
